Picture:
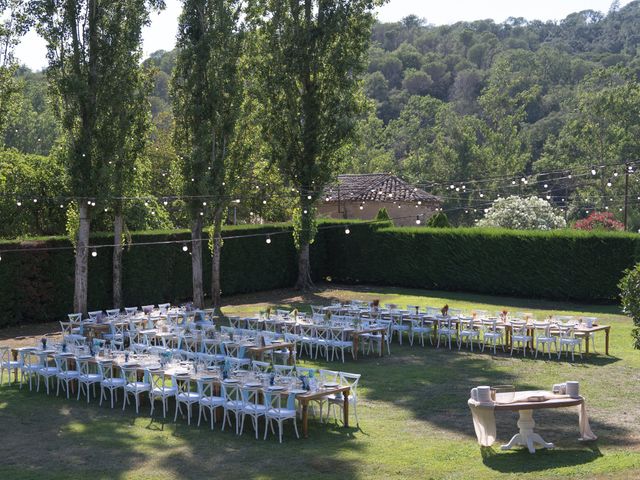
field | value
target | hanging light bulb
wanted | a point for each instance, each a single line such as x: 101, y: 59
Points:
x: 419, y: 202
x: 35, y: 200
x: 593, y: 170
x: 615, y: 173
x: 94, y: 253
x: 362, y: 206
x: 185, y: 248
x: 418, y: 222
x: 546, y: 185
x: 308, y: 197
x: 347, y: 231
x: 19, y: 203
x: 268, y: 239
x: 204, y: 204
x: 481, y: 195
x: 165, y: 203
x: 609, y: 183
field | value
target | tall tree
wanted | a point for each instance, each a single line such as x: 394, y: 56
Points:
x: 207, y: 92
x: 309, y: 58
x: 13, y: 23
x: 84, y: 78
x: 126, y: 119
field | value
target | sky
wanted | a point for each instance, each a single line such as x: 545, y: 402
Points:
x: 160, y: 35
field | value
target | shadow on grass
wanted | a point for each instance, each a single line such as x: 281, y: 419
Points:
x: 101, y: 442
x: 318, y: 297
x: 434, y: 386
x: 520, y: 461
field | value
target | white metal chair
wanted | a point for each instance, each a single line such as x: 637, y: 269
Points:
x: 46, y: 371
x: 492, y: 334
x: 398, y: 326
x: 132, y: 385
x: 88, y: 376
x: 352, y: 380
x: 232, y: 403
x: 544, y: 337
x: 110, y: 382
x: 469, y: 332
x: 276, y: 412
x: 338, y: 342
x: 184, y: 395
x: 569, y: 341
x: 208, y: 401
x: 252, y: 407
x: 446, y: 330
x: 6, y: 363
x: 65, y: 374
x: 29, y: 366
x: 161, y: 388
x: 520, y: 335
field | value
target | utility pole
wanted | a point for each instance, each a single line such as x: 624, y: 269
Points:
x: 626, y: 194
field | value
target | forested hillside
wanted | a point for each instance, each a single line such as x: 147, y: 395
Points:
x: 472, y: 100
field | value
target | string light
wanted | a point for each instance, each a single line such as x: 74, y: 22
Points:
x: 185, y: 248
x: 593, y: 171
x: 268, y: 240
x: 418, y: 222
x: 609, y: 183
x: 347, y: 231
x: 94, y: 253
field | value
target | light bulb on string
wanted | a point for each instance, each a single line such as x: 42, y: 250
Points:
x: 362, y: 206
x: 615, y: 173
x: 609, y: 183
x: 305, y: 212
x: 35, y: 200
x: 185, y: 248
x: 419, y: 202
x: 546, y: 185
x: 593, y: 171
x: 347, y: 231
x: 94, y: 253
x: 308, y: 197
x: 268, y: 239
x: 19, y: 203
x: 418, y: 222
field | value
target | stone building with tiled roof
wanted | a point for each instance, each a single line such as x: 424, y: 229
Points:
x: 360, y: 196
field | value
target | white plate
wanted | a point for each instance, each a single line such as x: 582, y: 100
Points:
x: 330, y: 385
x: 253, y: 384
x: 231, y: 380
x: 274, y: 388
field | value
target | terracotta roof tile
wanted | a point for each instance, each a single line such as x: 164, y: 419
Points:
x: 379, y: 187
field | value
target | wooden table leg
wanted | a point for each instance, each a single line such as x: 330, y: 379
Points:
x: 14, y: 354
x: 305, y: 419
x: 345, y: 408
x: 606, y: 340
x: 586, y: 344
x: 290, y: 359
x: 382, y: 342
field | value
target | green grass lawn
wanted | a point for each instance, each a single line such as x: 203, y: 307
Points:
x: 414, y: 421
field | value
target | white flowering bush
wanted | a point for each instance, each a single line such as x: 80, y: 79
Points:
x: 522, y: 213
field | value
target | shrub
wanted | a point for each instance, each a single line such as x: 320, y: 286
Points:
x: 383, y: 215
x: 603, y: 221
x: 630, y: 296
x: 517, y: 213
x: 439, y: 220
x: 565, y: 264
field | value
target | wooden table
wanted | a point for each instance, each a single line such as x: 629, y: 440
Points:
x: 356, y: 334
x: 526, y: 436
x: 305, y: 398
x: 260, y: 351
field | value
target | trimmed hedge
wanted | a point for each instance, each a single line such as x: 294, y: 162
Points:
x: 37, y: 286
x: 567, y: 265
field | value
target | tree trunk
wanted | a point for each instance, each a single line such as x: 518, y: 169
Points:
x: 82, y: 256
x: 304, y: 282
x: 196, y: 262
x: 216, y: 289
x: 118, y: 222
